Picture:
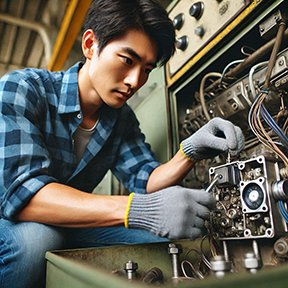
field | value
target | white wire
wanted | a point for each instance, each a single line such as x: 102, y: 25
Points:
x: 228, y: 65
x: 251, y: 72
x: 253, y: 92
x: 198, y: 273
x: 201, y: 92
x: 183, y: 269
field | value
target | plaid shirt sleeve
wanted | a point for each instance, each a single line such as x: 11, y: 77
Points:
x: 20, y: 177
x: 136, y: 161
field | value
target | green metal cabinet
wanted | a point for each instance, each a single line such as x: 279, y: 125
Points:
x: 103, y: 267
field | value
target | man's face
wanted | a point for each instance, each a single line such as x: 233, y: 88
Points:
x: 121, y: 68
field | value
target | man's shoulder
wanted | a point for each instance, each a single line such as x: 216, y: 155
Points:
x: 31, y: 76
x: 41, y: 77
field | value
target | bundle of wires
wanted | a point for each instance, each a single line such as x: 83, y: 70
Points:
x: 199, y: 271
x: 258, y: 111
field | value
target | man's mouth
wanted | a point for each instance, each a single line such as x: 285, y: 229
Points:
x: 125, y: 94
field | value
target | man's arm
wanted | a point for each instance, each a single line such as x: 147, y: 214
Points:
x: 61, y: 205
x: 217, y: 136
x: 170, y: 173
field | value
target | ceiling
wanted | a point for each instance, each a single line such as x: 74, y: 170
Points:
x: 41, y: 33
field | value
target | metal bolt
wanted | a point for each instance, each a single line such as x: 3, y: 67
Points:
x: 130, y: 267
x: 251, y: 262
x: 174, y: 251
x: 220, y: 266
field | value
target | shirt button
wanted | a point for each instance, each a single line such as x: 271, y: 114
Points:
x: 79, y: 116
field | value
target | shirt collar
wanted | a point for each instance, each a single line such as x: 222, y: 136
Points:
x: 69, y: 98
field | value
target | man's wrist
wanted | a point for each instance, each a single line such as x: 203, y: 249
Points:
x: 187, y: 155
x: 126, y: 223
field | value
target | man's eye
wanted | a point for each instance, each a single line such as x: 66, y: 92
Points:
x: 127, y: 60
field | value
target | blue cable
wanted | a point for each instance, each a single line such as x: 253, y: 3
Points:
x: 274, y: 126
x: 283, y: 210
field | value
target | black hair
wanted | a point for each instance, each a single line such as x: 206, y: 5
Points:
x: 110, y: 19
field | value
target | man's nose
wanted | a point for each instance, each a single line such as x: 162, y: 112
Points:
x: 133, y: 79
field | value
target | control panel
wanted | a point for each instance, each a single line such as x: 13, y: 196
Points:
x: 196, y: 22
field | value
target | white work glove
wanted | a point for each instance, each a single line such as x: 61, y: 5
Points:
x: 175, y: 212
x: 213, y: 138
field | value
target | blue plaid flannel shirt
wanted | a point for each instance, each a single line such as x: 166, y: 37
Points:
x: 39, y: 112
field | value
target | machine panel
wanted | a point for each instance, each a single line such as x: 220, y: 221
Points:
x: 242, y: 79
x: 196, y: 22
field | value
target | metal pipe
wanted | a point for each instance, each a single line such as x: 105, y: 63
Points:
x: 41, y: 29
x: 249, y: 61
x: 254, y: 57
x: 69, y: 30
x: 273, y: 56
x: 9, y: 46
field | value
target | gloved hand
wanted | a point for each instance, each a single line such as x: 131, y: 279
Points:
x: 175, y: 212
x: 213, y: 138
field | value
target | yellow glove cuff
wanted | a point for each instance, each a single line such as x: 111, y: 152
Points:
x: 182, y: 151
x: 128, y: 209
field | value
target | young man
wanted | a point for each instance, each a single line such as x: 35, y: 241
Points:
x: 62, y: 131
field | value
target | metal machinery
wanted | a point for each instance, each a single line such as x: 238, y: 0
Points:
x: 231, y: 62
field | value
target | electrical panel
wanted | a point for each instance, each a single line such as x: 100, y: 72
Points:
x: 196, y: 22
x: 234, y: 66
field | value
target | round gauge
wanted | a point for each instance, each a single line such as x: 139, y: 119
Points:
x: 253, y: 196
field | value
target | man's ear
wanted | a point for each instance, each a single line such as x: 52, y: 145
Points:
x: 88, y: 43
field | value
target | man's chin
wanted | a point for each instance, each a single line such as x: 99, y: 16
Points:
x: 116, y: 105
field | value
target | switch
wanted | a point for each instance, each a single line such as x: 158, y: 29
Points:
x: 182, y: 43
x: 199, y: 31
x: 196, y: 10
x: 178, y: 21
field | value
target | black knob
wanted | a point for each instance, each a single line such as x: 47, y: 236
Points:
x: 182, y: 43
x: 199, y: 31
x: 178, y: 21
x: 196, y: 10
